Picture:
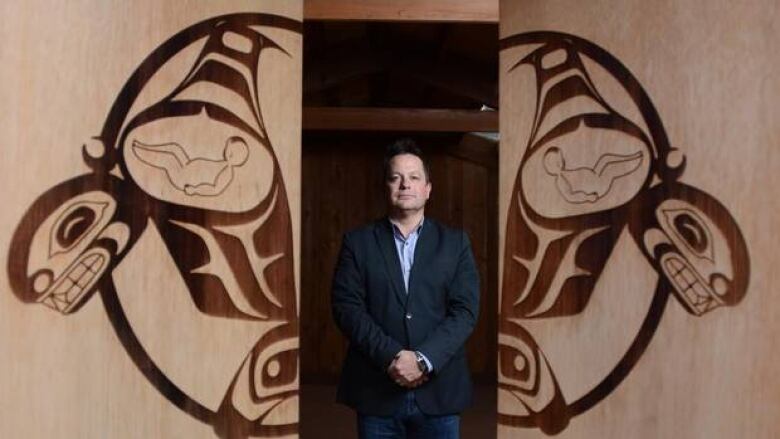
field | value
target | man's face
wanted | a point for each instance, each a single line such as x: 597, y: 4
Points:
x: 407, y: 185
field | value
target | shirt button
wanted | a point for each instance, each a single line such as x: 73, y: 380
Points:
x: 408, y: 316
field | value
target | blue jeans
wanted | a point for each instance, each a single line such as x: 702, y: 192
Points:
x: 409, y: 422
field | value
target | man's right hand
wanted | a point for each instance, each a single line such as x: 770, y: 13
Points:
x: 404, y: 370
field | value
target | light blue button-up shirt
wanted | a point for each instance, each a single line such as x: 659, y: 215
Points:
x: 406, y: 246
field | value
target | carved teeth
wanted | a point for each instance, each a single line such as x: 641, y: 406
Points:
x: 59, y: 302
x: 72, y: 285
x: 77, y: 272
x: 93, y: 262
x: 689, y: 286
x: 73, y: 293
x: 674, y: 266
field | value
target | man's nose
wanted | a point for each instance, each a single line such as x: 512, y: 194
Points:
x: 404, y: 183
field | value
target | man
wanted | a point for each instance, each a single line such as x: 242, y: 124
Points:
x: 406, y: 295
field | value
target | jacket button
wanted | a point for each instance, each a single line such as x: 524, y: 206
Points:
x: 408, y: 316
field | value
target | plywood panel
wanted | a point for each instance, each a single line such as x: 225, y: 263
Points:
x: 638, y: 257
x: 403, y: 10
x: 149, y: 230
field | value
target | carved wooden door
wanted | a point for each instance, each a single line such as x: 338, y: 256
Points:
x: 149, y: 230
x: 638, y: 257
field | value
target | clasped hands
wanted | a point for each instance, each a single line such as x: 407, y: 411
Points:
x: 404, y: 370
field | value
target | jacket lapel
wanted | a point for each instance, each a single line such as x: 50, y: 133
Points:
x: 384, y: 238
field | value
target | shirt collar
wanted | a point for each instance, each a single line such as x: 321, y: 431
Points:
x: 397, y: 231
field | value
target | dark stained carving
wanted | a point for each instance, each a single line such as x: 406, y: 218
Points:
x: 197, y: 164
x: 565, y: 218
x: 68, y: 241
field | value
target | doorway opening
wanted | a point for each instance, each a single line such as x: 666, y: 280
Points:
x: 365, y: 85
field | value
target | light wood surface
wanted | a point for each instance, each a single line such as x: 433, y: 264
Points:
x: 485, y: 11
x: 149, y: 230
x: 637, y: 227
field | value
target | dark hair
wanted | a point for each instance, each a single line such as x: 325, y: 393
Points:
x: 404, y: 146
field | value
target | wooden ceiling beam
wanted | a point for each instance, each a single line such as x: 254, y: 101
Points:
x: 398, y: 119
x: 475, y: 11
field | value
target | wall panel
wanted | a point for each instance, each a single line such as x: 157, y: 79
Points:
x: 149, y: 230
x: 638, y: 258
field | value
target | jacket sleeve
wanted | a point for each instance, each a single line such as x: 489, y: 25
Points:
x: 348, y: 304
x: 462, y: 311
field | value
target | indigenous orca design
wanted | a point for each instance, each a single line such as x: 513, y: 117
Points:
x: 596, y: 162
x: 192, y: 168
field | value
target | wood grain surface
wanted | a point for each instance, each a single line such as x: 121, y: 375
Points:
x: 149, y: 229
x: 638, y: 253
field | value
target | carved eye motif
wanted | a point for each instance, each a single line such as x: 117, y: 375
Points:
x: 280, y: 369
x: 520, y: 363
x: 691, y: 231
x: 63, y: 265
x: 700, y: 262
x: 513, y: 364
x: 74, y: 224
x: 276, y: 369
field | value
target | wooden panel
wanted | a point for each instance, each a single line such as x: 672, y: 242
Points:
x: 150, y: 219
x: 399, y: 119
x: 402, y: 10
x: 343, y: 189
x: 638, y: 252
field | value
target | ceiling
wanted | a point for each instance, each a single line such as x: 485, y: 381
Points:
x: 400, y: 65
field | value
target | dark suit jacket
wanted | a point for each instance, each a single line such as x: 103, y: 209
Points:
x: 371, y: 307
